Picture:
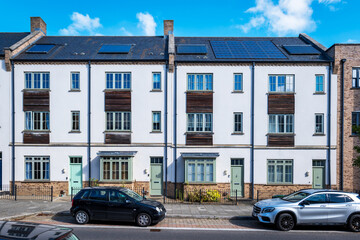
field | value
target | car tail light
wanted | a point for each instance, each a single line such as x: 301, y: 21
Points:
x: 72, y: 202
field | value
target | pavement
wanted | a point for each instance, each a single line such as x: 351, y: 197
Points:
x: 10, y: 209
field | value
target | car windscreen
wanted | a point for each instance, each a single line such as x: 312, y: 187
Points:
x: 132, y: 194
x: 296, y: 196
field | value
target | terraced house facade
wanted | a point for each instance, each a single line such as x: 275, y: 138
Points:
x: 246, y: 114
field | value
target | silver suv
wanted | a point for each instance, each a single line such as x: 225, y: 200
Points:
x: 310, y: 206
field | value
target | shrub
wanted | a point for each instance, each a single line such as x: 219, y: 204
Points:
x: 206, y: 196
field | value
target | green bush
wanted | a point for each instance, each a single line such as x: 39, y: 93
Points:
x: 206, y: 196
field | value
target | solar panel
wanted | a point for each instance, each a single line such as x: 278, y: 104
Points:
x: 246, y: 49
x: 121, y: 48
x: 301, y: 49
x: 40, y: 48
x: 191, y: 49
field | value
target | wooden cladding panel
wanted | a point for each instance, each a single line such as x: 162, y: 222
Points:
x: 114, y: 138
x: 199, y: 102
x: 281, y: 140
x: 118, y: 101
x: 281, y: 104
x: 36, y: 101
x: 199, y: 139
x: 36, y: 138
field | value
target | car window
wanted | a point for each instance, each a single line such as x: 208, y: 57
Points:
x: 348, y: 199
x: 316, y: 199
x: 116, y: 196
x: 336, y: 198
x: 295, y: 197
x: 97, y: 194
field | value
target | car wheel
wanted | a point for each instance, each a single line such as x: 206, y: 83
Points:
x: 285, y: 222
x: 354, y: 223
x: 81, y: 217
x: 143, y: 220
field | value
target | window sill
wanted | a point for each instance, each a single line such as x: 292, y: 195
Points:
x: 117, y: 131
x: 279, y: 93
x: 36, y: 131
x: 354, y: 88
x: 156, y: 90
x: 199, y: 91
x: 212, y: 133
x: 278, y: 184
x: 156, y: 132
x: 280, y: 134
x: 116, y: 181
x: 36, y: 181
x: 318, y: 134
x: 117, y: 90
x: 237, y: 133
x: 75, y: 132
x: 36, y: 90
x: 74, y: 90
x: 319, y: 93
x: 237, y: 91
x: 202, y: 183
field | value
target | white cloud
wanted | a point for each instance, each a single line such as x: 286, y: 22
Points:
x: 126, y: 32
x: 146, y: 23
x: 352, y: 41
x: 82, y: 24
x: 286, y: 17
x: 329, y: 1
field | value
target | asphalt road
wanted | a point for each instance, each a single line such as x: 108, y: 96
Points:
x: 166, y: 234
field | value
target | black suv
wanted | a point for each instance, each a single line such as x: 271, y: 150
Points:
x: 115, y: 204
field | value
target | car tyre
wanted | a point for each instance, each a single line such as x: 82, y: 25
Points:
x: 354, y: 223
x: 285, y: 222
x: 143, y: 220
x: 81, y: 217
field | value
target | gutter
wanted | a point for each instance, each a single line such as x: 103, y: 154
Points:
x: 342, y: 126
x: 89, y: 121
x: 252, y: 130
x: 166, y: 126
x: 13, y: 124
x: 175, y: 125
x: 328, y: 153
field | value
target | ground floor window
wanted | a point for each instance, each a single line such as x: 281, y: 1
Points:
x: 37, y: 168
x: 280, y: 171
x: 116, y: 169
x: 200, y: 170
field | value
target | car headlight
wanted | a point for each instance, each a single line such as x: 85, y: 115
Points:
x: 268, y: 209
x: 158, y: 209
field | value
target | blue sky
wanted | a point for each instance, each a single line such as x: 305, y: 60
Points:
x: 328, y: 21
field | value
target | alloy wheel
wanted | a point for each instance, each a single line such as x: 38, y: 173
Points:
x: 143, y: 220
x: 355, y: 223
x: 81, y: 217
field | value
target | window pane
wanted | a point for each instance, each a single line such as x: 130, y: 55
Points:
x: 208, y: 122
x: 272, y: 83
x: 281, y: 123
x: 117, y: 121
x: 46, y: 122
x: 279, y: 173
x: 238, y: 122
x: 319, y: 83
x: 106, y: 170
x: 191, y: 82
x: 209, y: 172
x: 46, y: 170
x: 127, y: 81
x: 289, y: 123
x: 281, y: 84
x: 289, y: 83
x: 28, y: 170
x: 156, y: 81
x: 199, y: 82
x: 156, y: 121
x: 28, y: 80
x: 271, y: 173
x: 272, y: 124
x: 37, y: 80
x: 109, y: 80
x: 127, y: 121
x: 200, y: 173
x: 28, y: 121
x: 191, y: 122
x: 115, y: 171
x: 199, y: 122
x: 209, y: 83
x: 319, y: 123
x: 109, y: 121
x: 288, y: 173
x: 46, y: 80
x: 37, y: 170
x: 191, y: 172
x: 37, y: 120
x: 118, y: 80
x: 238, y: 82
x: 124, y: 171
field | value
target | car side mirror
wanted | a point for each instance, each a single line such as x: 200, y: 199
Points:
x: 127, y: 201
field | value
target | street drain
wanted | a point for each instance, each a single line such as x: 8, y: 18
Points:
x: 155, y: 230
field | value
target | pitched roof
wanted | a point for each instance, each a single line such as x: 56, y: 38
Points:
x: 8, y: 39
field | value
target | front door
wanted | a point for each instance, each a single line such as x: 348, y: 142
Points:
x: 75, y: 180
x: 237, y: 177
x: 318, y: 174
x: 156, y: 176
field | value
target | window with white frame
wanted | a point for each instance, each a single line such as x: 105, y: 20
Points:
x: 118, y: 121
x: 355, y: 77
x: 116, y: 168
x: 37, y: 80
x: 200, y: 170
x: 319, y: 123
x: 156, y: 81
x: 200, y: 82
x: 238, y: 122
x: 280, y: 172
x: 238, y: 82
x: 319, y: 88
x: 37, y: 121
x: 118, y: 80
x: 281, y: 83
x: 199, y: 122
x: 281, y: 123
x: 75, y: 81
x: 75, y: 121
x: 37, y: 168
x: 156, y: 121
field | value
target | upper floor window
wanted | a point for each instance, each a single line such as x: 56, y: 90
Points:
x: 75, y: 81
x: 319, y: 88
x: 118, y: 80
x: 199, y: 122
x: 238, y: 82
x: 281, y: 83
x: 200, y: 82
x: 156, y: 123
x: 355, y: 77
x: 37, y: 168
x: 281, y: 123
x: 118, y: 121
x: 355, y: 122
x: 37, y: 80
x: 37, y: 121
x: 319, y: 123
x: 238, y: 126
x: 156, y: 81
x: 75, y: 121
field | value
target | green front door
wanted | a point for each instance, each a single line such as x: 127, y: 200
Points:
x: 237, y: 179
x: 75, y: 180
x: 156, y: 176
x: 318, y: 177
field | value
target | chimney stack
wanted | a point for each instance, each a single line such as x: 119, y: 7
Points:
x: 168, y: 27
x: 37, y: 24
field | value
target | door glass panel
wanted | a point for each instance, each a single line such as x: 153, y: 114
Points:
x: 336, y: 198
x: 316, y: 199
x: 115, y: 196
x: 99, y: 195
